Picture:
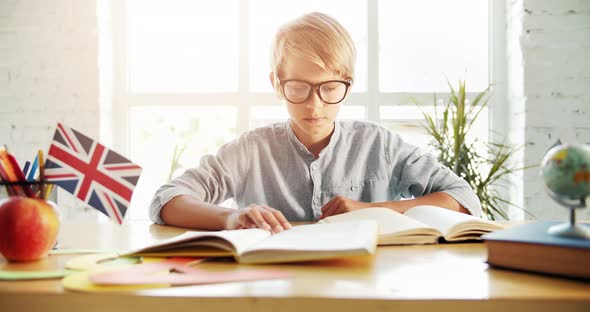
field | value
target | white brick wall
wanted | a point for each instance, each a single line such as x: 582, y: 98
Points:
x: 548, y: 53
x: 48, y: 72
x: 48, y: 61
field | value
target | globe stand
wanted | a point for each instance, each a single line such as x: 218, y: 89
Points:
x: 571, y: 229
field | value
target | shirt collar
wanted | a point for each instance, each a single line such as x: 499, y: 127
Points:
x: 333, y: 139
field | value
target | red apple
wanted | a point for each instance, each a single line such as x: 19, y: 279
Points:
x: 28, y: 228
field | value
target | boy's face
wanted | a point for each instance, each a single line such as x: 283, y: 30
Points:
x: 312, y: 119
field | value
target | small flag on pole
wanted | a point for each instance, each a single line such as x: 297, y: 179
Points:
x: 95, y: 174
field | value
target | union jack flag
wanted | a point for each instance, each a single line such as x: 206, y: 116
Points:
x: 95, y: 174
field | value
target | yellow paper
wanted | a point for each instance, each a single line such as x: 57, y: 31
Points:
x: 100, y: 263
x: 87, y: 262
x: 80, y: 281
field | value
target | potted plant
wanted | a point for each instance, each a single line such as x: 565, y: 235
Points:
x: 483, y: 171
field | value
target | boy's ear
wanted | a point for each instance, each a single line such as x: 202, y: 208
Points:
x: 271, y: 76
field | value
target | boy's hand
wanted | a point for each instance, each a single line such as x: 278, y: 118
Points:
x: 340, y: 204
x: 255, y: 216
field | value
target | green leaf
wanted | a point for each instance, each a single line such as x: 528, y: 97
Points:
x: 449, y: 130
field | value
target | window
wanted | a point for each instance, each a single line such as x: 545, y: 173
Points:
x: 265, y: 16
x: 165, y: 50
x: 449, y: 37
x: 192, y: 75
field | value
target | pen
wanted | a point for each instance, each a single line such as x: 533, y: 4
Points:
x: 48, y: 191
x: 13, y: 173
x: 31, y: 175
x: 4, y: 177
x: 41, y: 173
x: 20, y: 177
x: 26, y: 167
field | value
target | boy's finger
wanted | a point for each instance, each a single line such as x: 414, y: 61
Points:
x: 256, y: 217
x: 243, y: 219
x: 247, y: 223
x: 281, y: 218
x: 331, y: 210
x: 270, y: 218
x: 326, y: 208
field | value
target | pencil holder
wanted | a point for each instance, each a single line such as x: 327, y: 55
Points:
x: 34, y: 189
x: 28, y: 224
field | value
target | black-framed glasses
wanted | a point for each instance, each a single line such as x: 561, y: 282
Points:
x: 299, y: 91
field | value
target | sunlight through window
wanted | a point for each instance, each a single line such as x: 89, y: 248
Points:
x: 182, y: 46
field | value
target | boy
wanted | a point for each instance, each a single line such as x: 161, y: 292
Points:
x: 310, y: 166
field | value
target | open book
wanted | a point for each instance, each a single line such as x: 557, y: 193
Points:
x: 301, y: 243
x: 420, y: 225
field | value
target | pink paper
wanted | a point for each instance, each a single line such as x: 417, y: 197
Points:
x: 176, y: 271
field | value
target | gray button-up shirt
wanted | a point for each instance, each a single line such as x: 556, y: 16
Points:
x: 269, y: 166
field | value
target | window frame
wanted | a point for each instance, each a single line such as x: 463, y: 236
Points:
x: 115, y: 113
x: 123, y: 99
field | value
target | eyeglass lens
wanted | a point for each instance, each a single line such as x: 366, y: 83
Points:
x: 330, y: 92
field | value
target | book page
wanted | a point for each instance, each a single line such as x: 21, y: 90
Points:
x: 452, y: 224
x: 234, y: 241
x: 315, y: 241
x: 394, y: 227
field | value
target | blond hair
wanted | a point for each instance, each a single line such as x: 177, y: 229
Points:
x: 316, y: 37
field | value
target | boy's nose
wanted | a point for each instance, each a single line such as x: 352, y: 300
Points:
x: 314, y: 100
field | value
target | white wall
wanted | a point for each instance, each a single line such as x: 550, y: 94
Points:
x: 49, y: 73
x: 548, y: 45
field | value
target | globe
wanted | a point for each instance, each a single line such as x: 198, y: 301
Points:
x: 566, y: 172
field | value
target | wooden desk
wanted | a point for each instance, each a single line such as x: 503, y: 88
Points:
x: 451, y: 277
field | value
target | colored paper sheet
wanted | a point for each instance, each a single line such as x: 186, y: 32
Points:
x: 97, y: 263
x: 32, y: 275
x: 87, y: 262
x: 80, y: 281
x: 78, y: 251
x: 176, y: 272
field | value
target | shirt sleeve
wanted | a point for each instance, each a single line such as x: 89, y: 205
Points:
x: 215, y: 179
x: 417, y: 174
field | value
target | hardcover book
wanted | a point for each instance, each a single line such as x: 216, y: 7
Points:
x: 530, y: 247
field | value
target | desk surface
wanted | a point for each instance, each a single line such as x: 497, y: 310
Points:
x: 443, y: 277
